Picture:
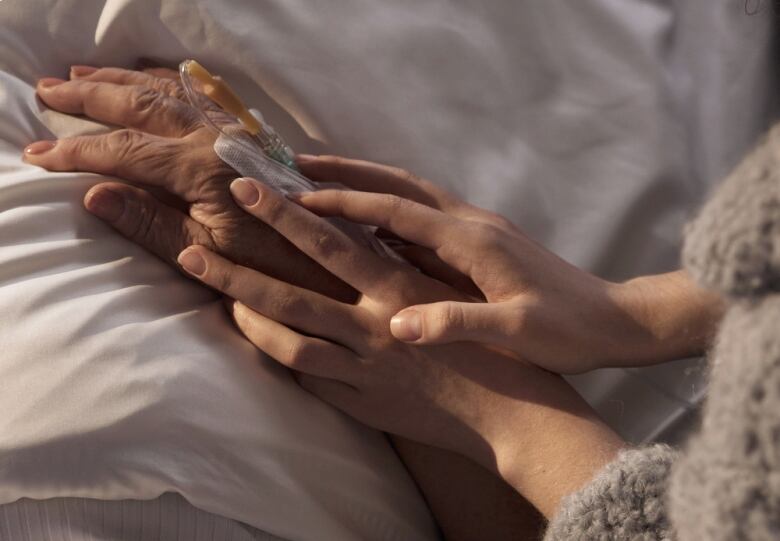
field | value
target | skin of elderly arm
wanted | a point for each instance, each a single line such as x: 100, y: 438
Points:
x: 163, y: 149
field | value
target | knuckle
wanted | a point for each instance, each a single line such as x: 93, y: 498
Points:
x: 488, y: 233
x: 340, y: 200
x: 170, y: 87
x: 223, y: 278
x: 88, y: 90
x: 396, y: 286
x: 395, y: 203
x: 395, y: 207
x: 128, y: 150
x: 299, y: 354
x: 142, y: 226
x: 324, y: 243
x: 486, y: 236
x: 272, y: 208
x: 145, y: 100
x: 71, y: 149
x: 520, y: 318
x: 446, y: 317
x: 120, y: 144
x: 289, y: 305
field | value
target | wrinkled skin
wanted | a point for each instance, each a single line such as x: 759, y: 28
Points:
x: 166, y: 148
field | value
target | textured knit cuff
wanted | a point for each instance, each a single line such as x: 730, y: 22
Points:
x: 626, y: 500
x: 733, y: 246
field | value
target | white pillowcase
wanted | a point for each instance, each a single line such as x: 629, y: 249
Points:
x: 121, y: 379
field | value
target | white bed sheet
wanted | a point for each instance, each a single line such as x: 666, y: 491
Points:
x: 596, y: 125
x: 121, y: 380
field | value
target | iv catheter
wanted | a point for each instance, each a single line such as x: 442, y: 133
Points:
x: 253, y: 138
x: 217, y: 90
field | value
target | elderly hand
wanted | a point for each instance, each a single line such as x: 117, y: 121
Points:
x: 503, y: 413
x: 163, y: 146
x: 548, y: 311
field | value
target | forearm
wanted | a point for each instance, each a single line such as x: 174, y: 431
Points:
x: 679, y: 317
x: 563, y: 445
x: 468, y: 501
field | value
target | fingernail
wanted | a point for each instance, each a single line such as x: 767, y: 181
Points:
x: 245, y: 192
x: 82, y: 71
x: 49, y: 82
x: 297, y: 196
x: 407, y: 326
x: 305, y: 158
x: 39, y: 147
x: 105, y: 204
x: 192, y: 262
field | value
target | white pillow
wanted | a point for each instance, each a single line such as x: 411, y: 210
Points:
x: 121, y: 379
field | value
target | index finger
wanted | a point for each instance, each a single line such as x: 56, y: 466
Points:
x: 368, y: 176
x: 131, y: 106
x: 350, y: 261
x: 409, y: 220
x: 163, y: 80
x: 120, y: 76
x: 373, y: 177
x: 412, y: 221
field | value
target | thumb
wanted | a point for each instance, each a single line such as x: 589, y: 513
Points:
x: 146, y: 221
x: 443, y: 322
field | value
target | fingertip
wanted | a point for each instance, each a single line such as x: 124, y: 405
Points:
x: 48, y: 83
x: 77, y: 71
x: 37, y: 148
x: 104, y: 203
x: 406, y: 325
x: 245, y: 191
x: 303, y: 159
x: 238, y: 309
x: 192, y: 261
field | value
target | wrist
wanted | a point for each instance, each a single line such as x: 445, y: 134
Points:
x: 673, y: 318
x: 552, y: 446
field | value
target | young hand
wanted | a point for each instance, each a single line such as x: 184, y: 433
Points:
x: 524, y: 423
x: 539, y: 306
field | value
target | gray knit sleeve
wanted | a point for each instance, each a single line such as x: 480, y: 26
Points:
x: 733, y: 246
x: 624, y: 501
x: 727, y: 485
